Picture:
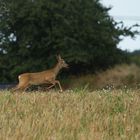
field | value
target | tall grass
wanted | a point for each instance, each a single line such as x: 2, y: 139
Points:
x: 117, y: 77
x: 72, y: 115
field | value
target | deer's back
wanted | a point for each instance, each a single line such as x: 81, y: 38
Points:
x: 37, y: 78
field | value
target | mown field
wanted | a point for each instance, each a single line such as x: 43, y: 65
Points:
x: 71, y: 115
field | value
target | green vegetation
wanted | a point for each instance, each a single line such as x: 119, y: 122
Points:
x: 33, y: 32
x: 72, y: 115
x: 134, y: 57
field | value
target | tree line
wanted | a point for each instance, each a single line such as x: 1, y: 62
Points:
x: 33, y: 32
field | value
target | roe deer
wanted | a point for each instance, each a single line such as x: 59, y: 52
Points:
x: 38, y: 78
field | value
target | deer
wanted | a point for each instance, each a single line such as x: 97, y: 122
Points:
x: 44, y: 77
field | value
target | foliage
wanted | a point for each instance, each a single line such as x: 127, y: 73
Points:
x: 32, y: 32
x: 134, y: 57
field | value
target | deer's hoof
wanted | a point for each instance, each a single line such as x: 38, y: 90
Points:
x: 61, y: 91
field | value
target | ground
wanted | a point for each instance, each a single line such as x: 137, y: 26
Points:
x: 72, y: 115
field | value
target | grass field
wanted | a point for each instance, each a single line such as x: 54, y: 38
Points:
x: 71, y: 115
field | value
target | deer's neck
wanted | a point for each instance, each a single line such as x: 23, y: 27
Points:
x: 57, y: 68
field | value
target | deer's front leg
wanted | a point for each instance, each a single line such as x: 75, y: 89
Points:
x: 50, y: 82
x: 56, y: 81
x: 50, y: 86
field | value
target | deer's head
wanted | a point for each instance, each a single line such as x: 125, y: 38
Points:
x: 62, y: 62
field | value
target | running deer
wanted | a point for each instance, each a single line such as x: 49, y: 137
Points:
x: 38, y: 78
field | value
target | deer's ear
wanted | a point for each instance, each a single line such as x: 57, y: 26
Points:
x: 58, y: 57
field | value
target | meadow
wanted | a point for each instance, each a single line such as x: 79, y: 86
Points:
x: 76, y: 114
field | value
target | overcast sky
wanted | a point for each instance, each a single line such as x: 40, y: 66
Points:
x: 127, y: 11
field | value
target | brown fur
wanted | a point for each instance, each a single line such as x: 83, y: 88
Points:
x: 38, y: 78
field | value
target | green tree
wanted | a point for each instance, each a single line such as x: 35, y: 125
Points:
x: 32, y: 32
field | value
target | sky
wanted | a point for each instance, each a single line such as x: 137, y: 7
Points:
x: 127, y: 11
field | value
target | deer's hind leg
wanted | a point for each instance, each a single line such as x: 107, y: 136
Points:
x: 21, y: 87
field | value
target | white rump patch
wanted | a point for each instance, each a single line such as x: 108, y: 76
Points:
x: 19, y: 77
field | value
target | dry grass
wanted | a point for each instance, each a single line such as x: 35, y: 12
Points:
x: 117, y: 77
x: 128, y: 75
x: 72, y: 115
